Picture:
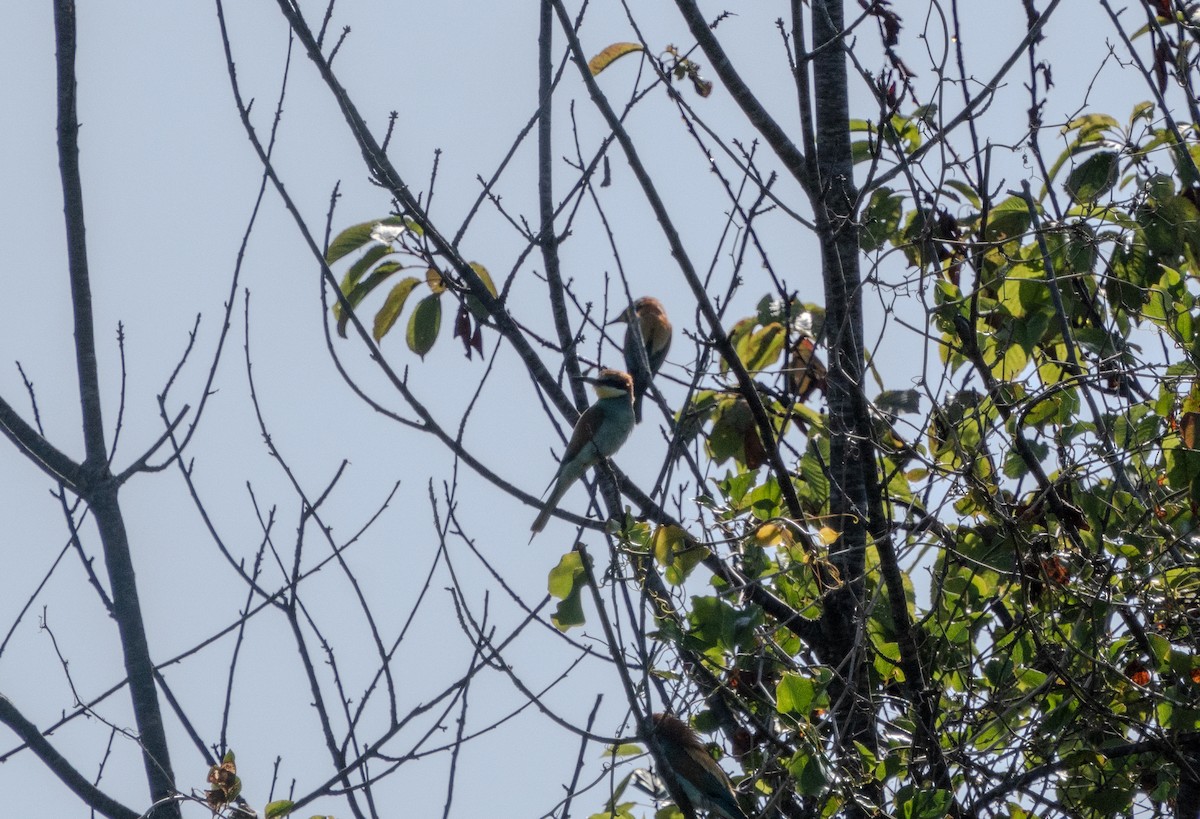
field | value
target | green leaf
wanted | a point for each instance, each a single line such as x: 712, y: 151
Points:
x: 1161, y: 647
x: 1007, y: 220
x: 387, y: 315
x: 1081, y: 248
x: 1091, y: 126
x: 360, y: 291
x: 364, y: 263
x: 795, y: 695
x: 566, y: 582
x: 675, y: 551
x: 610, y: 54
x: 355, y: 236
x: 424, y: 324
x: 926, y: 803
x: 814, y: 478
x: 1170, y: 226
x: 861, y: 150
x: 278, y: 809
x: 474, y: 304
x: 880, y: 219
x: 716, y: 627
x: 1143, y: 110
x: 732, y: 427
x: 486, y: 277
x: 1093, y: 178
x: 761, y: 349
x: 810, y: 774
x: 966, y: 190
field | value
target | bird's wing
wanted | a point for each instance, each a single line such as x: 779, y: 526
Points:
x: 713, y: 790
x: 656, y: 331
x: 585, y: 430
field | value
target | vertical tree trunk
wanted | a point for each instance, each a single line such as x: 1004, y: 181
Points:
x: 834, y: 195
x: 96, y: 483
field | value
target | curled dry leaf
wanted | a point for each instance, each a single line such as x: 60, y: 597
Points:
x: 612, y: 53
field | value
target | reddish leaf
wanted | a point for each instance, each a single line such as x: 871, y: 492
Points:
x: 462, y: 327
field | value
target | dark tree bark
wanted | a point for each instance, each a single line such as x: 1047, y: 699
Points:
x: 96, y: 482
x: 851, y: 455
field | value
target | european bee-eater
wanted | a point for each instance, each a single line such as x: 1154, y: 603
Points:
x: 653, y: 331
x: 601, y: 430
x: 805, y: 368
x: 695, y: 773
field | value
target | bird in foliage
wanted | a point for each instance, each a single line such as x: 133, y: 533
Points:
x: 650, y: 330
x: 598, y: 434
x: 697, y: 775
x: 806, y: 369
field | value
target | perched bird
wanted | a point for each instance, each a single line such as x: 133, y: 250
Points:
x: 806, y: 370
x: 695, y: 773
x: 599, y: 433
x: 652, y: 332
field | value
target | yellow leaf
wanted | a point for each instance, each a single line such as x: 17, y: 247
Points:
x: 433, y: 277
x: 676, y: 552
x: 606, y: 57
x: 828, y: 536
x: 772, y: 534
x: 668, y: 542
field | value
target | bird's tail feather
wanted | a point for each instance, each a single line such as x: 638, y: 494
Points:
x: 567, y: 476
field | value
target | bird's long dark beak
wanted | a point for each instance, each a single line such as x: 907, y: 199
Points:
x: 622, y: 318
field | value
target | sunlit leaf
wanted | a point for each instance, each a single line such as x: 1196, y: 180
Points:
x: 1143, y: 110
x: 356, y: 236
x: 1091, y: 125
x: 797, y: 694
x: 386, y: 234
x: 1007, y: 220
x: 760, y: 349
x: 677, y: 552
x: 772, y: 534
x: 566, y: 582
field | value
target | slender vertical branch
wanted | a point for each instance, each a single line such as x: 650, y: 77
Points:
x: 81, y: 292
x: 96, y: 484
x: 547, y: 238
